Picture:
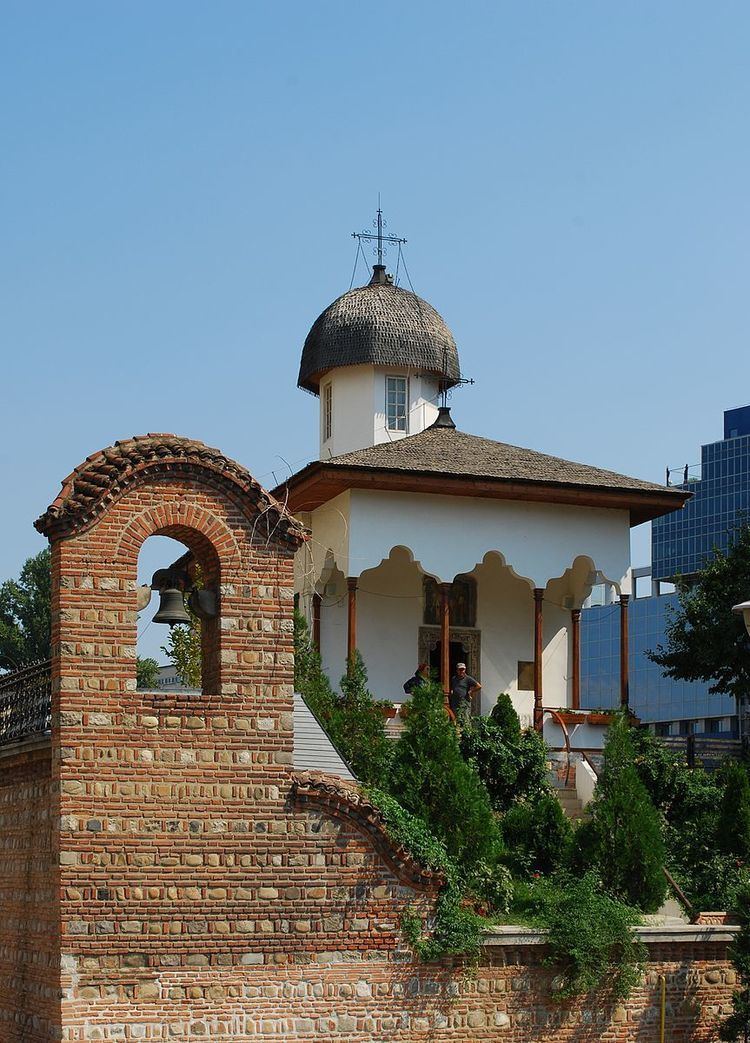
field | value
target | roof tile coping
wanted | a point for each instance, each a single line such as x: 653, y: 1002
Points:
x: 94, y: 484
x: 346, y: 800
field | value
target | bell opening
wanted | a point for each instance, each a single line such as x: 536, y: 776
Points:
x: 170, y: 635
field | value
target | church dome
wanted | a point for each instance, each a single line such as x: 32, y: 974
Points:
x: 379, y: 325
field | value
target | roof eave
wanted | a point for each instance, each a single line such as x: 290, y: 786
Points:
x: 319, y: 482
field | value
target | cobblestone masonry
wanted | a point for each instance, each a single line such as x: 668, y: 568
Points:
x: 198, y: 892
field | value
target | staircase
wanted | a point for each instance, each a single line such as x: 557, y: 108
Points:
x: 563, y: 782
x: 569, y: 802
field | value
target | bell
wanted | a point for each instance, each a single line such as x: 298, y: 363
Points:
x: 171, y: 608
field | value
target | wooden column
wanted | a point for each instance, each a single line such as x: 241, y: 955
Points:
x: 538, y: 648
x: 351, y: 630
x: 575, y: 633
x: 316, y: 600
x: 445, y: 637
x: 624, y: 659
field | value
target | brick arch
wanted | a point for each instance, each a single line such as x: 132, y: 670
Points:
x: 212, y: 544
x: 209, y: 537
x: 94, y: 486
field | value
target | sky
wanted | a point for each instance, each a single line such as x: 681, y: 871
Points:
x: 180, y: 181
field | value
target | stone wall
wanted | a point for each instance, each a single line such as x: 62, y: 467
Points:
x: 29, y: 961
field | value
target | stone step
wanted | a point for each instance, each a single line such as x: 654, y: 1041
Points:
x: 569, y: 802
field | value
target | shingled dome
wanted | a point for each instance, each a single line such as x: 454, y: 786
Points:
x: 383, y: 325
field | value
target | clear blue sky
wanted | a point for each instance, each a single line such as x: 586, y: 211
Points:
x: 180, y: 181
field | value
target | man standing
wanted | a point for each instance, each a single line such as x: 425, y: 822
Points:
x: 463, y: 686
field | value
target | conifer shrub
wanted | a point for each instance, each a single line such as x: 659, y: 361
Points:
x: 511, y: 763
x: 360, y: 727
x: 505, y: 717
x: 431, y: 779
x: 622, y: 838
x: 353, y: 721
x: 455, y: 928
x: 733, y: 826
x: 537, y: 835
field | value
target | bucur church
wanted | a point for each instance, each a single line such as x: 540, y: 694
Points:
x: 170, y: 871
x: 432, y: 545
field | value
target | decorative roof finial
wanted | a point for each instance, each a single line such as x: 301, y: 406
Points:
x: 379, y: 223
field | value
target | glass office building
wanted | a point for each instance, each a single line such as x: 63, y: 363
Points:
x: 672, y: 707
x: 681, y: 541
x: 680, y: 544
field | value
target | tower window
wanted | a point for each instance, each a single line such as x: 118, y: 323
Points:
x: 395, y: 403
x: 327, y: 411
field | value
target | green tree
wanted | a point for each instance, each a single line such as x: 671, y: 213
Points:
x: 537, y: 835
x: 622, y: 837
x: 705, y: 640
x: 147, y: 673
x: 688, y: 799
x: 431, y: 779
x: 511, y: 763
x: 183, y: 648
x: 309, y: 678
x: 359, y: 727
x: 733, y: 827
x: 25, y: 614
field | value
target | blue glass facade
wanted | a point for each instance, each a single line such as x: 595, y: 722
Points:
x: 680, y: 544
x: 681, y: 541
x: 653, y: 697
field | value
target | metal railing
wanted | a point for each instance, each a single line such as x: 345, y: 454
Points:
x: 25, y: 702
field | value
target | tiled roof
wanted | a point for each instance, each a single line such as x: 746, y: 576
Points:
x: 378, y: 324
x: 445, y: 450
x: 100, y: 479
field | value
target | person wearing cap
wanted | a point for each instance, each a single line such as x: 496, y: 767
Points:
x: 463, y: 686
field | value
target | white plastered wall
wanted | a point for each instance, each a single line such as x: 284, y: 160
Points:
x: 389, y: 614
x: 333, y: 627
x: 449, y: 535
x: 505, y: 616
x: 358, y: 407
x: 356, y: 533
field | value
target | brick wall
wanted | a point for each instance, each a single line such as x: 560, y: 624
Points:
x: 200, y: 891
x: 29, y: 962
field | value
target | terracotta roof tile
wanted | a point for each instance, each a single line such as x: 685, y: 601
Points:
x: 93, y: 485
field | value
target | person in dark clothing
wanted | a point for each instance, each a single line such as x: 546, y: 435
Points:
x: 463, y: 686
x: 420, y: 676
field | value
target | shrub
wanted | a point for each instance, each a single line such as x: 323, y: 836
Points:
x: 590, y: 938
x: 359, y: 727
x: 505, y: 717
x: 622, y: 838
x: 431, y: 779
x: 456, y: 929
x: 510, y: 763
x: 354, y: 721
x: 733, y: 826
x: 689, y: 800
x: 537, y: 835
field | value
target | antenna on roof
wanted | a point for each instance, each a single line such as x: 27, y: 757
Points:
x: 378, y: 236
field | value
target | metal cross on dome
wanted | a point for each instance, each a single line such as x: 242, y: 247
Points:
x: 381, y: 238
